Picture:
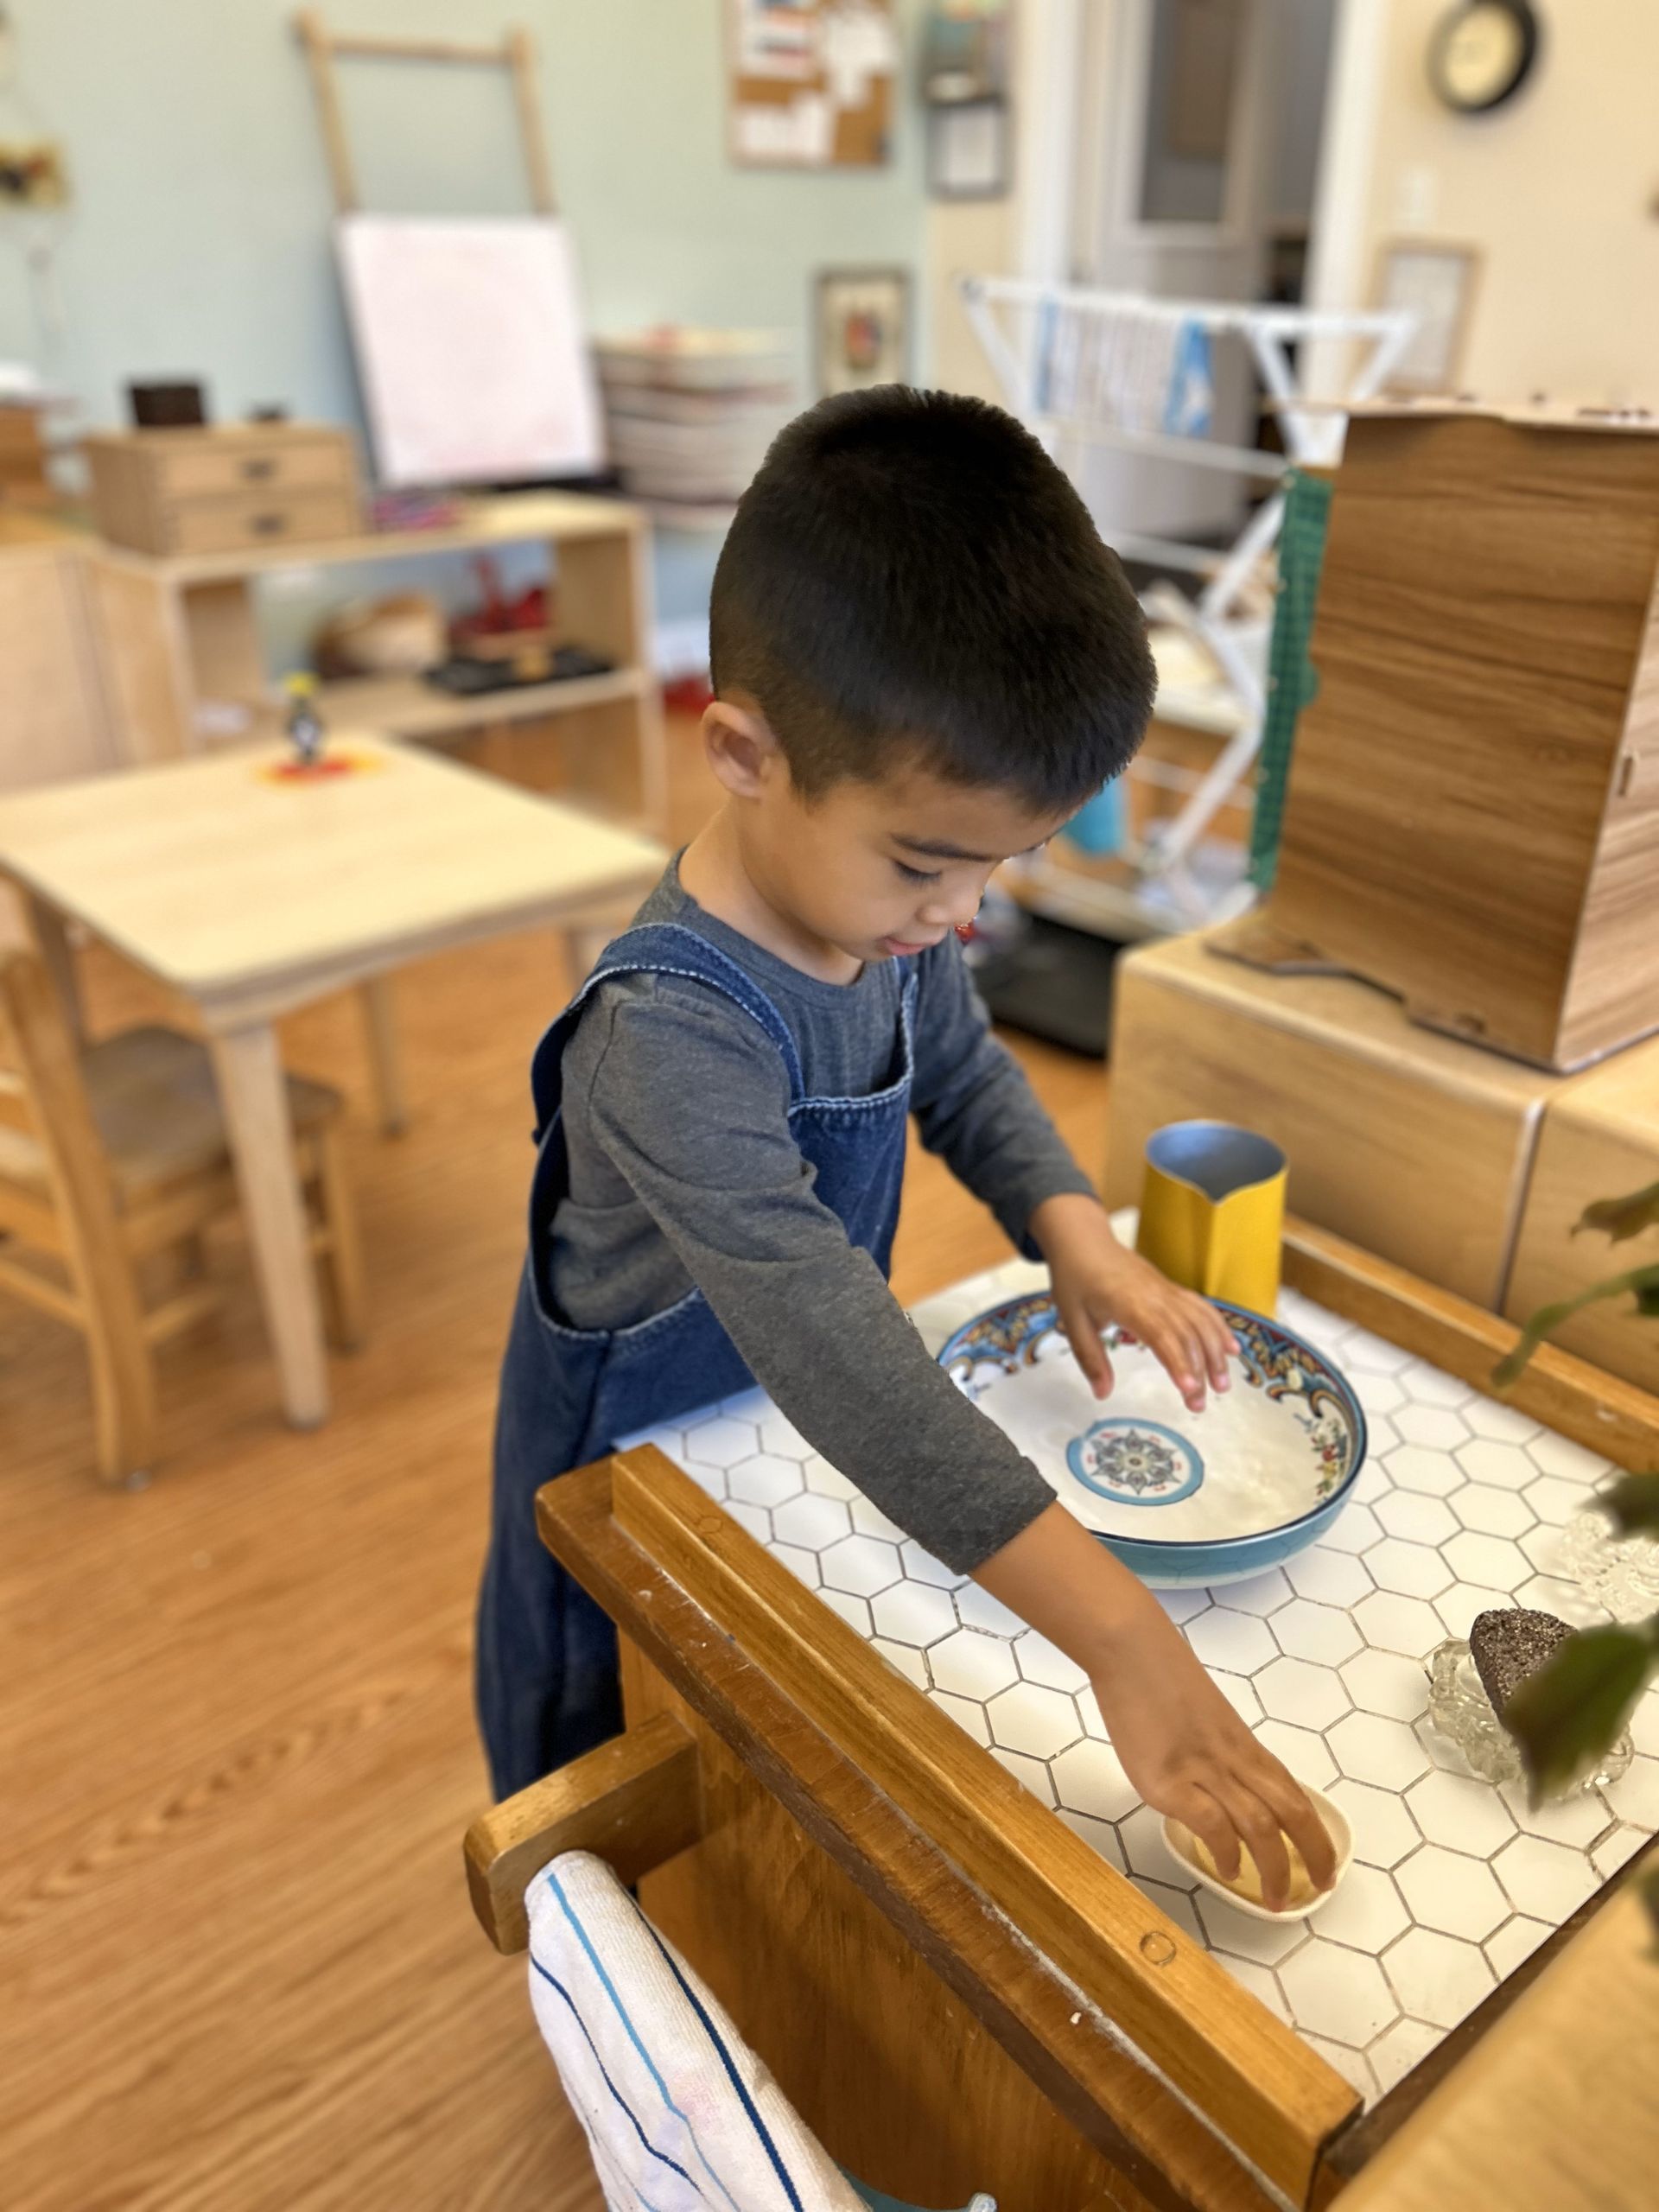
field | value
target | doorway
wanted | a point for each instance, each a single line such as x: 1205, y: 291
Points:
x: 1198, y: 142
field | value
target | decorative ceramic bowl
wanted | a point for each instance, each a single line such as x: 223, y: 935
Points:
x: 1180, y: 1497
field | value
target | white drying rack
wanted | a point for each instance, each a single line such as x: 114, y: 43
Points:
x: 1085, y: 367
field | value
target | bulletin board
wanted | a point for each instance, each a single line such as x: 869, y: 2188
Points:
x: 809, y: 82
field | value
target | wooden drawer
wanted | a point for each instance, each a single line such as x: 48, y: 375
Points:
x: 260, y: 518
x: 223, y: 490
x: 210, y: 472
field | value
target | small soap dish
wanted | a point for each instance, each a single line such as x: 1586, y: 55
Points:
x: 1181, y: 1840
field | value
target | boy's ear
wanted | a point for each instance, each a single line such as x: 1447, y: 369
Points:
x: 740, y: 748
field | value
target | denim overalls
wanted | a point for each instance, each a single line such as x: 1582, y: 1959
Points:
x: 546, y: 1666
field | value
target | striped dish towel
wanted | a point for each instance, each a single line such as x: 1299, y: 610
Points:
x: 680, y: 2114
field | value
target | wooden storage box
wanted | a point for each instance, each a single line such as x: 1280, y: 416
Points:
x: 1599, y: 1139
x: 1472, y: 817
x: 1416, y: 1147
x: 224, y: 490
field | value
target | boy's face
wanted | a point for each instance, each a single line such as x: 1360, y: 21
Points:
x: 876, y: 870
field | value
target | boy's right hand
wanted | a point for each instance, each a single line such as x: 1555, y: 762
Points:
x: 1181, y: 1743
x: 1189, y: 1756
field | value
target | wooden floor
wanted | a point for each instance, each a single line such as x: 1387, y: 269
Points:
x: 238, y: 1971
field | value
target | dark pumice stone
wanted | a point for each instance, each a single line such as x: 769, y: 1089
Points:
x: 1509, y: 1644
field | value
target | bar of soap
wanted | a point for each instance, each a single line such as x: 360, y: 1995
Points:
x: 1247, y: 1883
x: 1509, y: 1644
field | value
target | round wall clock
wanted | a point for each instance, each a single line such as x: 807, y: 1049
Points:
x: 1482, y: 53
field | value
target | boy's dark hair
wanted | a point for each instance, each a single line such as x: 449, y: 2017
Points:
x: 910, y: 576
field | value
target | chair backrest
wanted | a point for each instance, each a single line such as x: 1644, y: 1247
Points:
x: 43, y: 1099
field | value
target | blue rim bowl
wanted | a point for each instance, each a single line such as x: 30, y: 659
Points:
x: 1008, y: 1335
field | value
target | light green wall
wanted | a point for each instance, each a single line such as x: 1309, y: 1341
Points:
x: 198, y: 243
x: 200, y: 236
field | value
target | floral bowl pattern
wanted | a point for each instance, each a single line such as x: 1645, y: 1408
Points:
x: 1181, y: 1499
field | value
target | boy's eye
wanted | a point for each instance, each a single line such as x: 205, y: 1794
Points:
x: 916, y: 874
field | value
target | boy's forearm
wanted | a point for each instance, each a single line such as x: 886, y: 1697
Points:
x: 1062, y: 1219
x: 1068, y: 1587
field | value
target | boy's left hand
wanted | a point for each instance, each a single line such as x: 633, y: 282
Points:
x: 1098, y: 1282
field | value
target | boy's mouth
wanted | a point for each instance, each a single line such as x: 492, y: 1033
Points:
x: 901, y: 949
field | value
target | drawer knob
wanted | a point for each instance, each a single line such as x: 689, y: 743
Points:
x: 256, y: 471
x: 268, y: 525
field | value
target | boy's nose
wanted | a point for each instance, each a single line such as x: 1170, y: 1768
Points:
x: 951, y: 913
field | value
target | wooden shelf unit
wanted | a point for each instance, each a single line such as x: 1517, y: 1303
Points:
x: 183, y: 635
x: 404, y: 706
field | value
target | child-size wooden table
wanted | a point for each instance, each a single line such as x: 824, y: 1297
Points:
x: 881, y: 1817
x: 250, y: 893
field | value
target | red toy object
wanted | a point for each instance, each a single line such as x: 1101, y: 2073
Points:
x: 313, y: 772
x: 500, y: 620
x: 326, y: 769
x: 687, y: 695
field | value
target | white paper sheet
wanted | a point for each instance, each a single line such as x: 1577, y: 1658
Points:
x: 471, y: 348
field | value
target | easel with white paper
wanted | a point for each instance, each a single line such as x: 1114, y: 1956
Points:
x: 516, y: 53
x: 469, y: 333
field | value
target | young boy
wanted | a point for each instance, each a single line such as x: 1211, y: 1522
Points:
x: 925, y: 661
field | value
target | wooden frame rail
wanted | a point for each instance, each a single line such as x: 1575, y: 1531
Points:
x: 635, y: 1802
x: 1600, y: 1411
x: 516, y: 53
x: 1129, y: 2029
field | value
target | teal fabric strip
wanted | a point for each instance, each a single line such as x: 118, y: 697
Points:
x: 1291, y: 678
x: 878, y: 2202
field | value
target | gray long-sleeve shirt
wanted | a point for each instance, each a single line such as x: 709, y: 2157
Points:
x: 682, y: 1170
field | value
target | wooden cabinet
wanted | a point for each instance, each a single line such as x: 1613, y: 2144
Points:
x: 1414, y: 1145
x: 223, y: 490
x: 1472, y: 817
x: 23, y: 477
x: 1599, y: 1139
x: 54, y: 720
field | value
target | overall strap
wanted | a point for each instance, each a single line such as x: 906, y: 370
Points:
x: 659, y: 949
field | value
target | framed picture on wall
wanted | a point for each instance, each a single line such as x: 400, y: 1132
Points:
x: 968, y: 149
x: 861, y: 328
x: 1435, y: 282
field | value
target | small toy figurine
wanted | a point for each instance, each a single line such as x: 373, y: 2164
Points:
x: 304, y: 725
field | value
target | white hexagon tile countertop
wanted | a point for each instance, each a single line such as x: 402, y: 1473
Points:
x: 1460, y: 1506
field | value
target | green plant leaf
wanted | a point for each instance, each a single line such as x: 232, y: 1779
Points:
x: 1632, y: 1502
x: 1619, y: 1218
x: 1567, y: 1714
x: 1641, y: 1282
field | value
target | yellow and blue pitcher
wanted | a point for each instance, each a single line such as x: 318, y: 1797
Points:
x: 1212, y: 1211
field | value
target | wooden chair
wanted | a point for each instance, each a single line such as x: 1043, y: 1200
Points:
x: 114, y: 1157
